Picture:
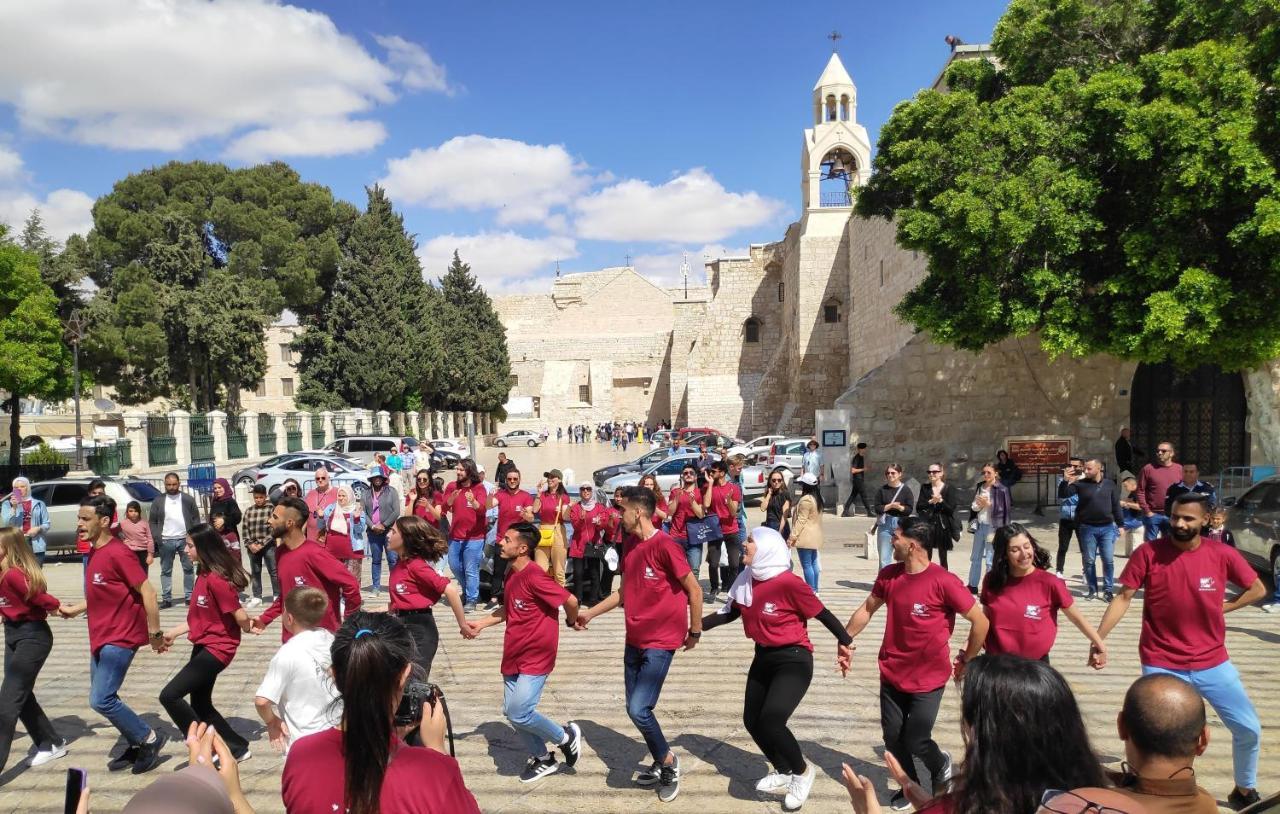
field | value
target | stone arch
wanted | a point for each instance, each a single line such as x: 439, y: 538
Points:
x: 1202, y: 411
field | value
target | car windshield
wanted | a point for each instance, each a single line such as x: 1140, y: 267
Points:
x: 141, y: 491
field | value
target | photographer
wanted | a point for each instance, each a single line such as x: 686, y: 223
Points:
x: 363, y: 767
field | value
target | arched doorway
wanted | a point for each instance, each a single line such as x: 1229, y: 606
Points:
x: 1202, y: 411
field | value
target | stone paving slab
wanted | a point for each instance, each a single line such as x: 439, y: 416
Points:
x: 700, y: 710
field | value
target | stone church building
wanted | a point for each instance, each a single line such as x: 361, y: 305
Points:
x: 799, y: 337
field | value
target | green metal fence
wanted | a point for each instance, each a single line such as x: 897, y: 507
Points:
x: 104, y: 460
x: 162, y: 446
x: 266, y: 434
x: 237, y: 437
x: 201, y: 438
x: 317, y: 431
x: 293, y: 432
x: 125, y: 448
x: 339, y: 426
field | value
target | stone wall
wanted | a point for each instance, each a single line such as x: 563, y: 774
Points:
x: 880, y: 275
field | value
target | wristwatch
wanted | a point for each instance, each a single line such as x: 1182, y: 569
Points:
x: 697, y: 634
x: 159, y: 634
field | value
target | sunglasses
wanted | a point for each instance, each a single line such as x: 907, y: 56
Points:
x: 513, y: 480
x: 1068, y: 802
x: 291, y: 488
x: 935, y: 471
x: 423, y: 480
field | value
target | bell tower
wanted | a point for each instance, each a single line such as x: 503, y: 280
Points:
x: 837, y: 152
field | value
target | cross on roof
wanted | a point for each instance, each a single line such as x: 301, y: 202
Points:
x: 834, y: 36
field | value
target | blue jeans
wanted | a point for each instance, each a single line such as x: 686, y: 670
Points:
x: 106, y: 673
x: 520, y: 697
x: 378, y: 545
x: 464, y: 562
x: 1156, y: 525
x: 168, y: 547
x: 1221, y: 687
x: 809, y: 562
x: 884, y: 539
x: 1095, y: 540
x: 643, y: 672
x: 694, y: 554
x: 981, y: 551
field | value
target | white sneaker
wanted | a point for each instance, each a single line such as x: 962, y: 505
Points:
x: 1274, y: 607
x: 1062, y: 576
x: 773, y: 782
x: 253, y: 602
x: 43, y: 756
x: 798, y: 791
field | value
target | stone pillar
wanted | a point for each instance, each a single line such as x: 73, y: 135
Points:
x: 411, y: 424
x: 397, y: 423
x: 327, y: 417
x: 384, y: 423
x: 135, y: 429
x: 251, y: 436
x: 282, y: 434
x: 218, y: 427
x: 181, y: 420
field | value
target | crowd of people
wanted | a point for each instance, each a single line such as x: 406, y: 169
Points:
x: 334, y: 696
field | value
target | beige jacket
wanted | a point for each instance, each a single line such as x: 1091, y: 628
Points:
x: 806, y: 526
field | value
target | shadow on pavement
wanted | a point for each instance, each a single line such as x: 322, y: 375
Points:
x: 829, y: 760
x: 740, y: 767
x: 857, y: 586
x: 621, y: 754
x: 1260, y: 635
x: 504, y: 747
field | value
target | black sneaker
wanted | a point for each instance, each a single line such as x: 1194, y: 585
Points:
x: 649, y: 776
x: 899, y: 801
x: 669, y: 780
x: 1092, y: 595
x: 573, y: 747
x: 1107, y: 596
x: 124, y: 760
x: 538, y: 768
x: 1237, y: 799
x: 942, y: 780
x: 165, y: 604
x: 973, y: 590
x: 149, y: 755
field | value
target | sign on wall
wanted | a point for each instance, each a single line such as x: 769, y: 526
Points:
x: 1039, y: 455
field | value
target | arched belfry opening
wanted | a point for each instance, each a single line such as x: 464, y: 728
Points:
x: 839, y: 174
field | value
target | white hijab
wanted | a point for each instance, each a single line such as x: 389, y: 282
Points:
x: 772, y: 557
x: 338, y: 522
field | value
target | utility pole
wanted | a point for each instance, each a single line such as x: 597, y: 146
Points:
x: 75, y: 331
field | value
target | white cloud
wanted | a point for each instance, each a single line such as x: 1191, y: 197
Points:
x: 163, y: 74
x: 313, y: 137
x: 10, y: 165
x: 416, y: 68
x: 64, y: 211
x: 690, y: 208
x: 501, y: 261
x: 520, y: 181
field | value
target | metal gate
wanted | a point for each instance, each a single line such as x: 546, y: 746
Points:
x: 201, y: 438
x: 162, y: 446
x: 1202, y: 411
x: 237, y: 437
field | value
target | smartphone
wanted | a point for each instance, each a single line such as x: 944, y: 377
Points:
x: 77, y: 781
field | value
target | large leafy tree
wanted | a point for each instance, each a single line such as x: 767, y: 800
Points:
x: 1110, y: 183
x: 37, y: 362
x: 474, y: 369
x: 63, y: 268
x: 375, y: 340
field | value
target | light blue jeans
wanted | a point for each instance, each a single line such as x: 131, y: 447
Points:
x: 694, y: 554
x: 809, y: 562
x: 520, y: 697
x: 1095, y: 540
x: 981, y: 551
x: 884, y: 539
x: 106, y: 673
x: 1221, y: 687
x: 1155, y: 525
x: 464, y: 562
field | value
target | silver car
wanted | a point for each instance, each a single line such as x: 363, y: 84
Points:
x: 787, y: 452
x: 344, y: 471
x: 1254, y: 520
x: 667, y: 472
x: 63, y: 495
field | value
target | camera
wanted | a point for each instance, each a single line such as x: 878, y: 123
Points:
x: 416, y: 695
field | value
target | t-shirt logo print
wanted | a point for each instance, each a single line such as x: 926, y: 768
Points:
x: 202, y: 601
x: 521, y: 605
x: 1033, y: 612
x: 97, y: 579
x: 1206, y: 583
x: 649, y: 573
x: 401, y: 589
x: 299, y: 582
x: 770, y: 608
x: 919, y: 609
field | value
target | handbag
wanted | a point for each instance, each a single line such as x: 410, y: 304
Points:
x: 703, y: 531
x: 546, y: 536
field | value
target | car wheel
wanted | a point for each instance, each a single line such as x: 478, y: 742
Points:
x: 533, y: 443
x: 499, y: 443
x: 1275, y: 566
x: 359, y: 490
x: 246, y: 481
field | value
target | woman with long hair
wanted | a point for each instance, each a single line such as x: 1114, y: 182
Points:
x: 214, y: 623
x: 362, y: 766
x: 894, y: 503
x: 1022, y: 733
x: 290, y: 488
x: 551, y: 508
x: 776, y: 503
x: 990, y: 510
x: 685, y: 504
x: 937, y: 505
x: 345, y: 530
x: 1022, y: 597
x: 660, y: 514
x: 423, y: 500
x: 25, y: 604
x: 806, y: 528
x: 416, y: 586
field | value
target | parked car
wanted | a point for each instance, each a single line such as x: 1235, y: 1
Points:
x: 363, y: 447
x: 452, y: 445
x: 713, y: 440
x: 342, y: 470
x: 638, y: 465
x: 1254, y: 519
x: 63, y: 496
x: 667, y: 471
x: 661, y: 438
x: 788, y: 452
x: 248, y: 475
x: 755, y: 446
x: 521, y: 438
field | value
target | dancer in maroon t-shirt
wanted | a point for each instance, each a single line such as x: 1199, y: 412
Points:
x: 923, y: 600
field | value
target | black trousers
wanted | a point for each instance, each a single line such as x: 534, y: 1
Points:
x: 196, y: 680
x: 776, y: 683
x: 906, y: 720
x: 857, y: 492
x: 426, y: 638
x: 588, y: 580
x: 142, y: 560
x: 732, y: 546
x: 26, y: 646
x: 942, y: 554
x: 1066, y: 530
x: 499, y: 578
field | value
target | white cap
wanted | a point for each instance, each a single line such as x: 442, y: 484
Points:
x: 808, y: 479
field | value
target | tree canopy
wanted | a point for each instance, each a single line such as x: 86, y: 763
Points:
x: 474, y: 370
x: 1110, y: 182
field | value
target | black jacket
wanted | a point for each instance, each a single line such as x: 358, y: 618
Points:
x: 885, y: 496
x: 1099, y: 502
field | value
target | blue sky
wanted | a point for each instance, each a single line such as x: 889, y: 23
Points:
x: 520, y: 132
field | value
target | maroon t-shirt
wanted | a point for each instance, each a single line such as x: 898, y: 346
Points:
x: 655, y: 604
x: 532, y: 601
x: 417, y: 780
x: 211, y: 616
x: 779, y: 609
x: 310, y: 565
x: 466, y: 523
x: 1024, y: 615
x: 681, y: 506
x: 415, y: 585
x: 588, y: 526
x: 548, y: 504
x: 16, y: 606
x: 511, y: 508
x: 116, y: 614
x: 1183, y: 626
x: 916, y: 653
x: 720, y: 496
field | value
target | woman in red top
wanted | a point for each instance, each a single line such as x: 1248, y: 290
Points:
x: 686, y: 504
x: 25, y: 604
x: 344, y: 531
x: 588, y: 519
x: 426, y: 501
x: 1021, y: 598
x: 551, y: 507
x: 214, y: 622
x: 363, y: 767
x: 660, y: 514
x: 416, y: 586
x: 775, y: 606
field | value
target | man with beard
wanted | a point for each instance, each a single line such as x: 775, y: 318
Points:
x: 514, y: 505
x: 1184, y: 577
x: 304, y: 563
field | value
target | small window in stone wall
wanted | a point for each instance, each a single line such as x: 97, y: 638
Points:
x: 782, y: 290
x: 286, y: 387
x: 831, y: 313
x: 751, y: 329
x: 261, y: 391
x: 513, y: 380
x: 584, y: 393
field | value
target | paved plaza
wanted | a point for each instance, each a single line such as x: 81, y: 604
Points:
x: 700, y: 710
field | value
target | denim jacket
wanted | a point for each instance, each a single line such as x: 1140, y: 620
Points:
x: 357, y: 529
x: 11, y: 516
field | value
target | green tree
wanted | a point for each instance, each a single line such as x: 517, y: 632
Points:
x: 1110, y: 183
x: 475, y: 370
x: 375, y: 340
x: 37, y: 362
x: 62, y: 268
